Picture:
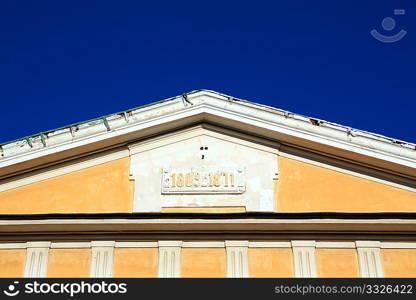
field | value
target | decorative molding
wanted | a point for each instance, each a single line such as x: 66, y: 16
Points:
x: 70, y: 245
x: 236, y: 243
x: 237, y: 259
x: 203, y: 245
x: 209, y: 106
x: 304, y: 260
x: 398, y: 245
x: 103, y: 243
x: 136, y: 244
x: 13, y: 245
x: 348, y: 227
x: 233, y: 136
x: 101, y: 259
x: 36, y: 264
x: 269, y: 244
x: 369, y: 259
x: 333, y: 244
x: 169, y: 259
x: 368, y: 244
x: 307, y: 243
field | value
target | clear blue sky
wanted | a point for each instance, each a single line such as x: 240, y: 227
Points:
x: 63, y: 62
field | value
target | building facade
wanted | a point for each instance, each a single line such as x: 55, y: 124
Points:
x: 207, y: 185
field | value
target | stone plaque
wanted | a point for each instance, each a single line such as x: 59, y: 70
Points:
x: 212, y: 180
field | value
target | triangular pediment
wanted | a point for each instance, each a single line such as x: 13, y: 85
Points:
x: 208, y: 107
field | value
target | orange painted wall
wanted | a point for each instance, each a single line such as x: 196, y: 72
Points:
x: 270, y: 262
x: 135, y: 262
x: 399, y: 262
x: 304, y: 187
x: 337, y: 263
x: 69, y: 262
x: 12, y: 262
x: 102, y: 188
x: 203, y: 262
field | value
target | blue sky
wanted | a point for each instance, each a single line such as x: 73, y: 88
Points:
x: 63, y: 62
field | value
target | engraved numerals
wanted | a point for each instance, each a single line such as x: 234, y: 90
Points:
x: 195, y: 180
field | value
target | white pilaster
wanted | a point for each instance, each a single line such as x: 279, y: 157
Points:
x: 369, y: 258
x: 169, y: 259
x: 101, y: 259
x: 36, y: 259
x: 304, y: 260
x: 237, y: 258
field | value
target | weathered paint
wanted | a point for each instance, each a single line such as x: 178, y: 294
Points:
x: 12, y: 262
x: 102, y: 188
x: 203, y: 262
x: 399, y: 262
x: 221, y: 151
x: 304, y: 187
x: 232, y: 209
x: 337, y: 263
x: 135, y: 262
x: 270, y: 262
x: 69, y: 262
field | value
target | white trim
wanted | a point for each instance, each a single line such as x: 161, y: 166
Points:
x: 207, y: 130
x: 36, y: 264
x: 103, y: 243
x: 343, y: 245
x: 237, y: 259
x: 136, y: 244
x: 398, y: 245
x: 170, y: 243
x: 367, y: 244
x: 269, y: 244
x: 169, y: 259
x: 304, y: 260
x: 101, y: 259
x: 361, y: 226
x: 213, y: 106
x: 12, y: 245
x: 63, y: 169
x: 369, y: 262
x: 306, y: 243
x: 70, y: 245
x: 204, y: 244
x: 236, y: 243
x: 38, y: 244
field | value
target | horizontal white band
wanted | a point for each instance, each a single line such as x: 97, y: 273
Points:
x: 269, y: 244
x: 136, y: 244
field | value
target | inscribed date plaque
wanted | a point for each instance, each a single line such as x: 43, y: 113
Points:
x: 214, y: 180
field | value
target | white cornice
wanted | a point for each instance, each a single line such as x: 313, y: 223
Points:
x: 212, y: 107
x: 175, y: 225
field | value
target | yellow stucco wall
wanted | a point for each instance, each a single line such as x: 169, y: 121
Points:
x: 337, y: 263
x: 12, y: 262
x: 69, y: 262
x: 135, y: 262
x: 203, y: 262
x: 270, y: 262
x: 102, y: 188
x: 399, y: 262
x: 304, y: 187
